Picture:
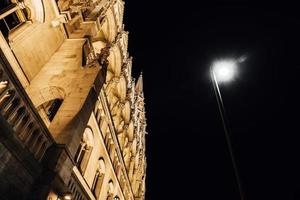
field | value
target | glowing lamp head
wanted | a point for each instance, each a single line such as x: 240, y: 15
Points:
x: 67, y: 197
x: 224, y: 70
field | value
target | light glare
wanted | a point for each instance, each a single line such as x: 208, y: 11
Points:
x: 67, y: 197
x: 224, y: 70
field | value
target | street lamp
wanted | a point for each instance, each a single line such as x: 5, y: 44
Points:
x: 223, y: 71
x: 68, y: 197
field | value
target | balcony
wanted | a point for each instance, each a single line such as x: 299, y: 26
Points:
x: 78, y: 186
x: 20, y: 115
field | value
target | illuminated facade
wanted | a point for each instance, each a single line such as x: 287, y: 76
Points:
x: 72, y: 122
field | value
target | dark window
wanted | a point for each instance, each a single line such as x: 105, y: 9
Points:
x: 4, y: 28
x: 52, y: 109
x: 79, y: 154
x: 10, y: 21
x: 5, y: 5
x: 95, y: 182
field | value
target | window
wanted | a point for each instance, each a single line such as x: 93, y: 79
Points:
x: 110, y: 191
x: 98, y: 179
x: 85, y: 150
x: 51, y: 108
x: 80, y: 153
x: 5, y: 4
x: 11, y: 16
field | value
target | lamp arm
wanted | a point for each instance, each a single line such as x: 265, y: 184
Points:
x: 227, y: 133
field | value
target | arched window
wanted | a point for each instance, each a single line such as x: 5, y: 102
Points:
x: 85, y: 150
x: 99, y: 177
x: 51, y: 108
x: 110, y: 191
x: 116, y: 198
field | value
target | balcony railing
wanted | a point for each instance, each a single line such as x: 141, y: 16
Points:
x: 18, y: 111
x: 78, y: 187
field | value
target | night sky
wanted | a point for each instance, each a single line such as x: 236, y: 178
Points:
x: 174, y: 43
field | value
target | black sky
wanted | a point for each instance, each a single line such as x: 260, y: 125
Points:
x: 174, y: 43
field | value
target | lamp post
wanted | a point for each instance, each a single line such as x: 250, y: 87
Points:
x: 223, y: 71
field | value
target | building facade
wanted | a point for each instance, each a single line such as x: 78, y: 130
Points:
x: 72, y: 118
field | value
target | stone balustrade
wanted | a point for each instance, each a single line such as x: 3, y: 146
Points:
x: 79, y: 189
x: 20, y: 114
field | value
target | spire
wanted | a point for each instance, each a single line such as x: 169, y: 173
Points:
x: 139, y: 84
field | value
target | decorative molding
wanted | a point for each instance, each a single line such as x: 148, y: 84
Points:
x: 39, y: 10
